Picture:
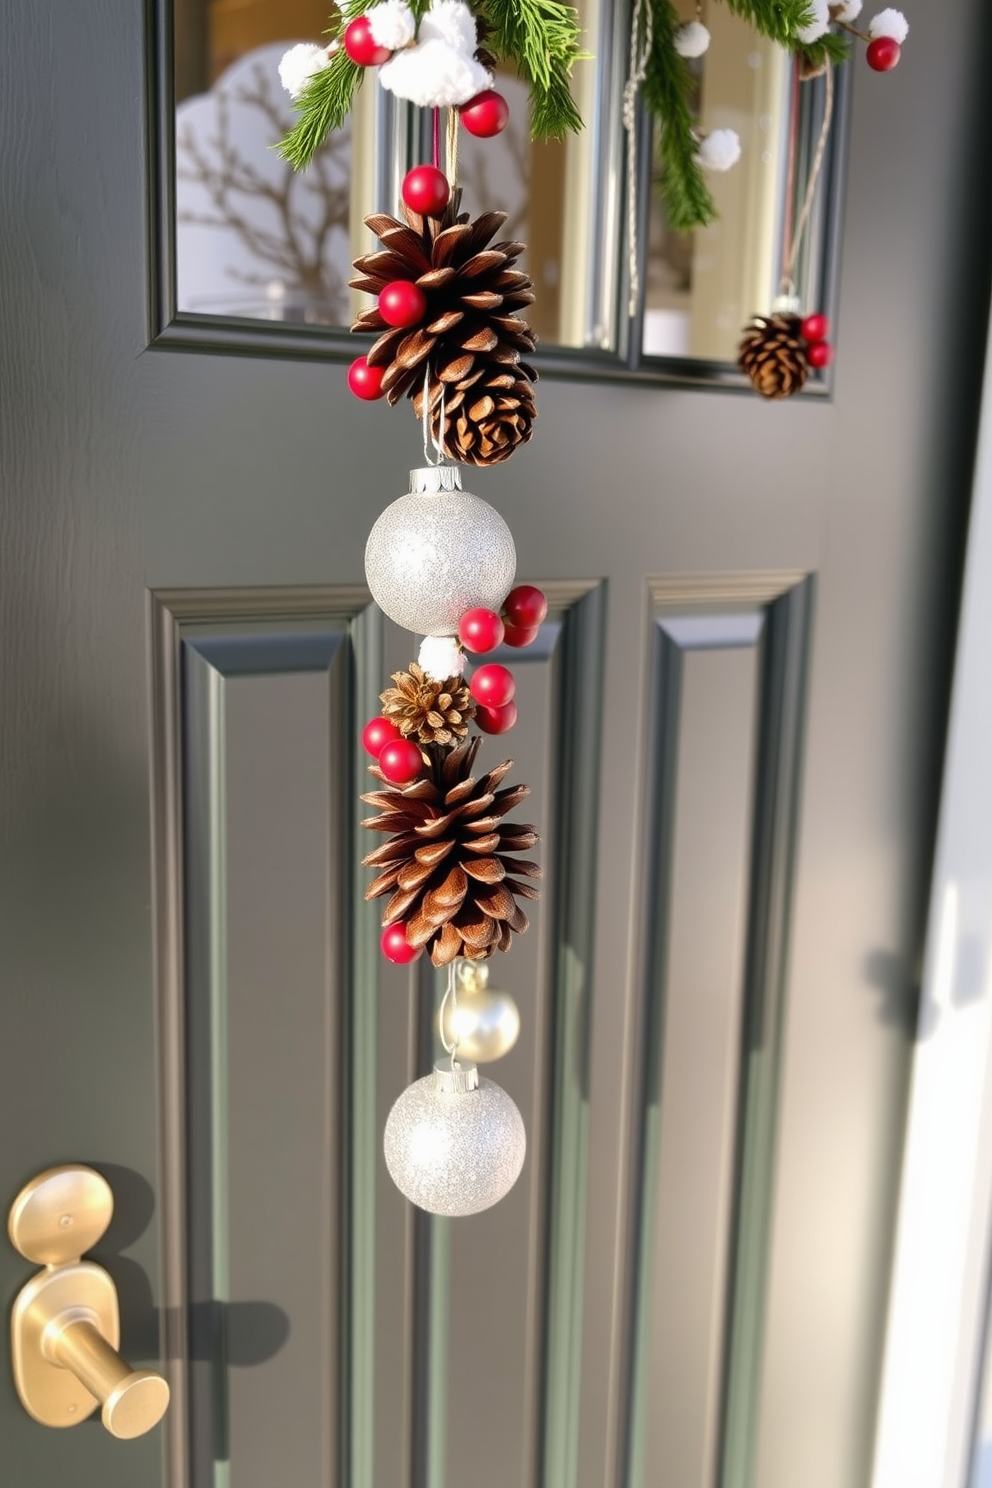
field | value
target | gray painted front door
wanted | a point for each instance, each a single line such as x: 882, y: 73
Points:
x: 732, y: 727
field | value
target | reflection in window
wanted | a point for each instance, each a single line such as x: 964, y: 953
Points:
x: 703, y: 287
x: 253, y: 237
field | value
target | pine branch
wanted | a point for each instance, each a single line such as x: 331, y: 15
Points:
x: 666, y: 95
x: 541, y: 38
x: 816, y: 54
x: 777, y: 19
x: 323, y: 106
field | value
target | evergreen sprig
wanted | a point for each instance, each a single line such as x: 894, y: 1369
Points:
x: 328, y: 97
x: 667, y: 86
x: 323, y: 106
x: 777, y: 19
x: 542, y: 39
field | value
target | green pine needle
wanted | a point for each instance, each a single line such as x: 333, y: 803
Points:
x: 777, y: 19
x: 829, y: 48
x: 323, y: 107
x: 541, y: 38
x: 666, y: 95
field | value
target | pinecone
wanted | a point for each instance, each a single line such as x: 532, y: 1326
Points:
x: 486, y: 415
x: 427, y: 711
x: 773, y: 354
x: 447, y: 865
x: 469, y: 333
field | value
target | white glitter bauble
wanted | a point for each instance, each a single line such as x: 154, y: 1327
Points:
x: 454, y: 1142
x: 438, y: 552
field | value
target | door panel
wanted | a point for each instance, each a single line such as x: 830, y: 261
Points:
x: 129, y: 470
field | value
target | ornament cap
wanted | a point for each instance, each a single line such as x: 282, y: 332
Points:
x: 430, y: 478
x: 460, y: 1080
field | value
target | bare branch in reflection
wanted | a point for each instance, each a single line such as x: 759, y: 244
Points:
x: 514, y: 147
x: 292, y: 241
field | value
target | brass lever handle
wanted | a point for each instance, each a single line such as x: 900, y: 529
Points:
x: 65, y: 1327
x: 133, y: 1400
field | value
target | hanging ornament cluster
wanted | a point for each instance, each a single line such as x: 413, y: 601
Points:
x: 449, y: 334
x: 780, y: 350
x: 452, y: 869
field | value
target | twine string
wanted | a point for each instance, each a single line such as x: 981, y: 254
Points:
x: 436, y: 134
x: 641, y: 38
x: 789, y: 266
x: 451, y: 149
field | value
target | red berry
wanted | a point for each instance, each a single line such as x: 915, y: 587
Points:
x: 493, y: 685
x: 400, y: 761
x: 820, y: 354
x: 396, y: 947
x: 520, y: 635
x: 365, y: 381
x: 480, y: 630
x: 360, y: 44
x: 525, y: 606
x: 496, y: 720
x: 815, y: 328
x: 485, y: 114
x: 426, y: 190
x: 377, y: 733
x: 883, y: 53
x: 402, y: 303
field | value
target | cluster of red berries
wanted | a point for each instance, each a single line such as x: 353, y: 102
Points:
x: 814, y: 330
x: 492, y: 686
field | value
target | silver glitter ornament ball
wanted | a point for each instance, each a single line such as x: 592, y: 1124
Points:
x: 438, y: 552
x: 454, y: 1142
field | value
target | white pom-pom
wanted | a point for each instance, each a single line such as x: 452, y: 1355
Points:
x: 433, y: 75
x: 889, y: 23
x: 820, y: 23
x: 453, y: 22
x: 720, y: 150
x: 692, y: 39
x: 391, y: 24
x: 846, y: 10
x: 441, y: 657
x: 299, y: 64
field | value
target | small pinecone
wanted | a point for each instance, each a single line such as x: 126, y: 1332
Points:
x: 448, y: 865
x: 429, y: 712
x: 486, y: 415
x: 773, y: 354
x: 470, y: 325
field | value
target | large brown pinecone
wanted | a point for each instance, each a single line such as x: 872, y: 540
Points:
x: 486, y: 415
x: 427, y: 711
x: 469, y: 333
x: 448, y: 865
x: 773, y: 354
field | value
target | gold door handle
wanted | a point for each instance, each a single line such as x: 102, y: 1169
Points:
x: 65, y: 1326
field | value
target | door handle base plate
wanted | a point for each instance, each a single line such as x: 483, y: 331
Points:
x: 51, y: 1394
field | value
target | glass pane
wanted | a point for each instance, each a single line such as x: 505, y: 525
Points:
x: 254, y: 238
x: 703, y: 287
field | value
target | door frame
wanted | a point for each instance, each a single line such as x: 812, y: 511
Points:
x: 928, y: 1420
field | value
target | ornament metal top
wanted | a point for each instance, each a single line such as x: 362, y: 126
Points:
x: 438, y: 552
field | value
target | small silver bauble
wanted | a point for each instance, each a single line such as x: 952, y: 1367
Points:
x: 483, y: 1023
x: 454, y: 1142
x: 438, y: 552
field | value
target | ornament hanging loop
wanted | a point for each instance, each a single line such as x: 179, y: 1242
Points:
x: 429, y: 438
x: 451, y: 996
